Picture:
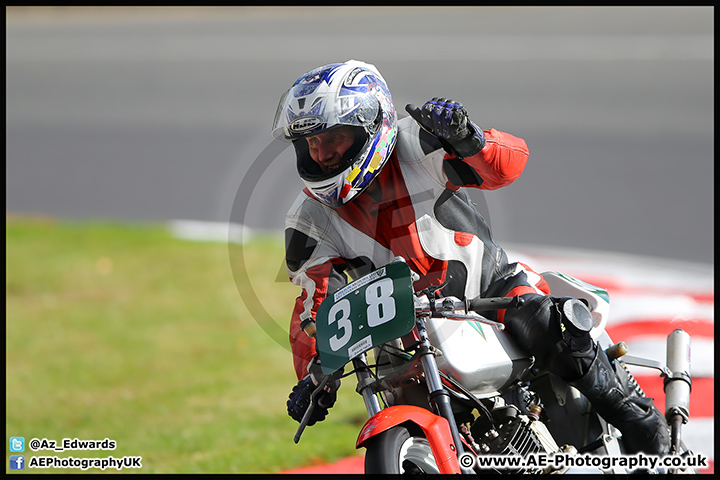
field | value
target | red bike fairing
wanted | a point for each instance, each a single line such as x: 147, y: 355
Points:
x: 421, y: 214
x: 436, y: 428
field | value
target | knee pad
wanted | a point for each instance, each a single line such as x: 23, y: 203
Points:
x: 535, y: 325
x: 555, y: 331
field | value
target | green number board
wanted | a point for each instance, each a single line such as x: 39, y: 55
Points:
x: 368, y: 312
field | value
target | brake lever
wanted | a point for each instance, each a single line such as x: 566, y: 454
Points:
x: 313, y: 398
x: 431, y: 291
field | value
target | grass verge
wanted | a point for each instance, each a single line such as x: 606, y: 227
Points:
x: 121, y: 331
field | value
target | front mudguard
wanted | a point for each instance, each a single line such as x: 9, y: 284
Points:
x: 435, y: 428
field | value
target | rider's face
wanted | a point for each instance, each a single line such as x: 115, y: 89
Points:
x: 327, y: 148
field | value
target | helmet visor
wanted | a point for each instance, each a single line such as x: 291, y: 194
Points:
x: 311, y: 170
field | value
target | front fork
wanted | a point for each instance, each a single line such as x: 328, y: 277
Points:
x: 365, y: 381
x: 439, y: 397
x: 446, y: 448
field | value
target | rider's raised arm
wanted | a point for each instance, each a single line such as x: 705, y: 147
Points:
x: 498, y: 164
x: 486, y: 159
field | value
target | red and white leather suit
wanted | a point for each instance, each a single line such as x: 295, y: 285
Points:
x: 423, y: 215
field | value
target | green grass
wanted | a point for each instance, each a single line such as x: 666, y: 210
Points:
x: 121, y: 331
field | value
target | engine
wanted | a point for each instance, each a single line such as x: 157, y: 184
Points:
x: 514, y: 435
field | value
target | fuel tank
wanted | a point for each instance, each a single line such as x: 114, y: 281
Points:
x: 481, y: 357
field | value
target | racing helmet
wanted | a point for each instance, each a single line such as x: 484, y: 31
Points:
x: 352, y: 93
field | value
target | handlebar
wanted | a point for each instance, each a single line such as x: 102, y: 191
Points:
x: 446, y: 307
x: 479, y: 304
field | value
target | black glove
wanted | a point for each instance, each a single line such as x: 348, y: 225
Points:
x: 299, y: 399
x: 448, y: 121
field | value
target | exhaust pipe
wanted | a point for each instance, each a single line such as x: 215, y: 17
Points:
x: 677, y: 385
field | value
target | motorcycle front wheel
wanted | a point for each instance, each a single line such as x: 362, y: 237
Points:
x: 398, y: 451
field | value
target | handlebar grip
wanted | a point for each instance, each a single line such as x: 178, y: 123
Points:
x: 479, y: 304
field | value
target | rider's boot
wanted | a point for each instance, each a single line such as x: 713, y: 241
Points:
x: 557, y: 333
x: 643, y: 427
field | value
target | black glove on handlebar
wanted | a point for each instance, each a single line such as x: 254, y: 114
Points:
x: 299, y: 399
x: 449, y: 122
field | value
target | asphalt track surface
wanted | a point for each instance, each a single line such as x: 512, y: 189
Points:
x: 163, y: 113
x: 159, y: 113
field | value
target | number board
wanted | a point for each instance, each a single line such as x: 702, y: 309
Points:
x: 368, y: 312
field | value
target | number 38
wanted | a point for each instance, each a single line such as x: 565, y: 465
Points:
x: 380, y: 309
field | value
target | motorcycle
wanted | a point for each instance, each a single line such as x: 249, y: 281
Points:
x: 448, y: 390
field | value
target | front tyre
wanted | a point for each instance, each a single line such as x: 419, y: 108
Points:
x: 398, y: 451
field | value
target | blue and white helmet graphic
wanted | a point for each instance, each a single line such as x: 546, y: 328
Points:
x: 351, y: 93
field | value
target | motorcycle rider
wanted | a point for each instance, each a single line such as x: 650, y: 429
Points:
x: 378, y: 188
